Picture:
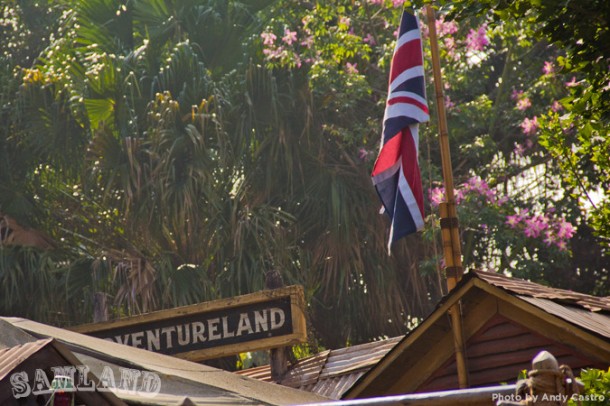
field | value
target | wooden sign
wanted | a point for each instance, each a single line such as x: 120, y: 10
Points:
x: 257, y: 321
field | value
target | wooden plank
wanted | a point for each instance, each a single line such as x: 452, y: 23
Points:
x: 509, y: 372
x: 503, y: 329
x: 492, y: 369
x: 257, y: 321
x: 495, y: 353
x: 555, y: 328
x: 509, y: 358
x: 495, y: 376
x: 441, y: 351
x: 227, y: 303
x: 369, y: 381
x: 499, y: 374
x: 506, y: 344
x: 424, y: 367
x: 232, y: 349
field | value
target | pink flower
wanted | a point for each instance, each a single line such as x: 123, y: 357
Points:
x: 548, y: 68
x: 516, y: 94
x: 274, y: 53
x: 572, y: 83
x: 477, y: 40
x: 363, y: 154
x: 529, y: 126
x: 424, y: 31
x: 297, y: 59
x: 268, y: 38
x: 476, y: 183
x: 351, y: 68
x: 513, y: 221
x: 565, y: 229
x: 532, y: 228
x: 549, y: 239
x: 289, y: 36
x: 345, y: 21
x: 458, y: 194
x: 451, y: 48
x: 524, y: 103
x: 397, y: 3
x: 307, y: 42
x: 535, y: 225
x: 522, y: 214
x: 437, y: 196
x: 369, y: 39
x: 449, y: 43
x: 562, y: 245
x: 556, y: 106
x: 445, y: 28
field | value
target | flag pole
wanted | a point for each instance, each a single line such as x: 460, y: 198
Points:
x: 449, y: 223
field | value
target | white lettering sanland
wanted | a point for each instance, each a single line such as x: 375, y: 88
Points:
x: 212, y: 329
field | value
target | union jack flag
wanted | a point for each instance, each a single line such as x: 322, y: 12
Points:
x: 396, y: 174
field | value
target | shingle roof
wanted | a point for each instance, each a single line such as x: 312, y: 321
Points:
x: 527, y: 288
x: 591, y: 313
x: 329, y: 373
x: 201, y: 383
x: 11, y: 357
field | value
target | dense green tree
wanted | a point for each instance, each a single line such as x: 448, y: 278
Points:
x: 175, y: 152
x: 175, y: 171
x: 500, y: 80
x: 574, y: 132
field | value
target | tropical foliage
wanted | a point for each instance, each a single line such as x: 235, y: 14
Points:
x: 576, y: 137
x: 176, y: 152
x: 596, y: 388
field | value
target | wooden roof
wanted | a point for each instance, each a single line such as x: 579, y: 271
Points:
x: 182, y: 381
x: 13, y: 356
x: 42, y: 355
x: 332, y: 372
x: 506, y: 322
x: 591, y: 313
x: 535, y: 290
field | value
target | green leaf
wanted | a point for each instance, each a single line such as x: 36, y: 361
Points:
x: 98, y: 111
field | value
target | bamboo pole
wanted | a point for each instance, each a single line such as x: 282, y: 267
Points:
x: 449, y: 224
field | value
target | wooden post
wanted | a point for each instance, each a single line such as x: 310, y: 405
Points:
x: 278, y: 357
x: 100, y: 307
x: 449, y: 223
